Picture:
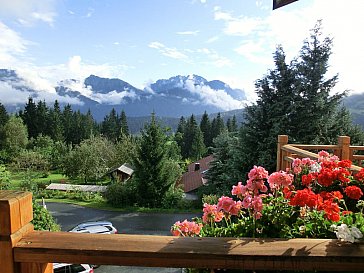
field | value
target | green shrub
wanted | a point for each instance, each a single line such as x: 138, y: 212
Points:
x: 210, y: 199
x: 121, y: 194
x: 173, y: 198
x: 42, y: 219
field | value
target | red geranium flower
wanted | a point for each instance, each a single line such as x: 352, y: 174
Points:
x: 359, y: 176
x: 353, y: 192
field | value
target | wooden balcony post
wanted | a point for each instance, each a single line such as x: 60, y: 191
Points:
x: 16, y: 212
x: 282, y: 140
x: 344, y: 143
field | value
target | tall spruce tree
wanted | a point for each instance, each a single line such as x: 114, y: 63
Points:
x: 151, y: 169
x: 294, y: 99
x: 205, y: 126
x: 193, y: 142
x: 67, y: 115
x: 110, y: 126
x: 4, y: 117
x: 124, y: 128
x: 217, y: 126
x: 29, y: 116
x: 180, y: 132
x: 55, y: 125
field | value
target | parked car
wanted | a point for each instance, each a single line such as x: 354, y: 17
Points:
x: 103, y: 227
x: 72, y: 268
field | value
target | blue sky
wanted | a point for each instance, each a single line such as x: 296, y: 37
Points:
x: 141, y: 41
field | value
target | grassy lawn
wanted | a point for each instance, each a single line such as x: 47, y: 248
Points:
x: 17, y: 178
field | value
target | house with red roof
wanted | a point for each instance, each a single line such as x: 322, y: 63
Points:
x: 195, y: 176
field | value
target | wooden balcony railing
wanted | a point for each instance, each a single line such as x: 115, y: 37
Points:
x: 286, y: 153
x: 23, y: 250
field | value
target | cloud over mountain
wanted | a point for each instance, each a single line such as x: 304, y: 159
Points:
x: 176, y: 96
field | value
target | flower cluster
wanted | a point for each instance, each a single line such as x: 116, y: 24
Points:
x: 186, y: 228
x: 344, y: 233
x: 303, y: 201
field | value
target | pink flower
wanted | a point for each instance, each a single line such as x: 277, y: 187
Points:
x: 297, y: 165
x: 256, y: 186
x: 239, y: 190
x: 247, y: 202
x: 211, y: 213
x: 227, y: 204
x: 257, y: 173
x: 323, y: 154
x: 257, y: 203
x: 186, y: 228
x: 235, y: 209
x: 280, y: 179
x: 306, y: 161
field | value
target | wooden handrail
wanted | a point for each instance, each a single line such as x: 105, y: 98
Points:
x: 287, y: 152
x: 168, y: 251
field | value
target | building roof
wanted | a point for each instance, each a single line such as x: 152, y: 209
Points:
x: 125, y: 168
x: 71, y: 187
x: 193, y: 178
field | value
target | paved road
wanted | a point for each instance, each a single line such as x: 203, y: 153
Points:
x: 68, y: 216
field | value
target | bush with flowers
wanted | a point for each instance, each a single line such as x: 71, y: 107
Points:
x: 314, y: 199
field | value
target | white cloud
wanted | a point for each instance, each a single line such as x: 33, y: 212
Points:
x: 254, y: 52
x: 11, y: 46
x: 168, y: 51
x: 29, y: 11
x: 114, y: 97
x: 44, y: 79
x: 215, y: 58
x: 218, y: 98
x: 212, y: 39
x: 190, y: 32
x: 243, y: 84
x: 12, y: 96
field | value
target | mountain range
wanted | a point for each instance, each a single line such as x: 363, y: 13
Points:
x: 174, y: 97
x: 168, y: 98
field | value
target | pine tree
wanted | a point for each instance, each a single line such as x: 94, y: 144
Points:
x: 315, y: 102
x: 270, y: 116
x: 109, y: 127
x: 151, y: 174
x: 89, y: 127
x: 217, y: 126
x: 193, y: 144
x: 179, y: 135
x: 55, y: 123
x: 124, y: 128
x: 67, y: 115
x: 42, y: 114
x: 205, y: 127
x: 234, y: 125
x: 223, y: 172
x: 294, y: 99
x: 4, y: 117
x: 29, y: 116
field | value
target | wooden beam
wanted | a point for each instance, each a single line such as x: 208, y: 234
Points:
x: 168, y: 251
x: 16, y: 213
